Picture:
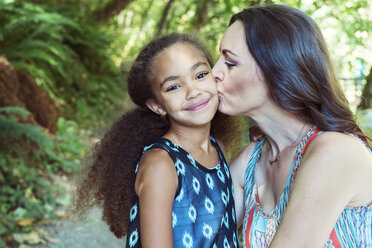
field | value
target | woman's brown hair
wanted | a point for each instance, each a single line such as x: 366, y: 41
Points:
x: 290, y: 50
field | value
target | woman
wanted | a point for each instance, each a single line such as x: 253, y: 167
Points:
x: 274, y: 68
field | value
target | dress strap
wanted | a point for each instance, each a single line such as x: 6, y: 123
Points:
x: 316, y: 132
x: 255, y: 156
x: 219, y: 150
x: 162, y: 143
x: 249, y: 176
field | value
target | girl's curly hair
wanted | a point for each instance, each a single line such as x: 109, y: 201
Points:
x: 107, y: 180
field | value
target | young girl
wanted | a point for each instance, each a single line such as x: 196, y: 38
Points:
x: 158, y: 174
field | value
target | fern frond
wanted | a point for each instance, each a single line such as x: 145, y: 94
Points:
x: 13, y: 129
x: 15, y: 111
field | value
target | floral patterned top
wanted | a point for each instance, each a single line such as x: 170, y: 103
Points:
x: 203, y: 210
x: 352, y: 229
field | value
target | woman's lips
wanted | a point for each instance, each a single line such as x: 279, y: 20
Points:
x: 198, y: 106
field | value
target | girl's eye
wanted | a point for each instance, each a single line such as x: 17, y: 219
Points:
x: 174, y: 87
x: 202, y: 75
x: 229, y: 64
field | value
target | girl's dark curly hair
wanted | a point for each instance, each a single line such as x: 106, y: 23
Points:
x: 108, y: 178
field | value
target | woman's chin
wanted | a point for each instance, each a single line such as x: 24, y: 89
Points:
x: 228, y: 111
x: 223, y: 109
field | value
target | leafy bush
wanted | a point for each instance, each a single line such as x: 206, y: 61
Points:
x: 365, y: 120
x: 64, y: 53
x: 28, y: 156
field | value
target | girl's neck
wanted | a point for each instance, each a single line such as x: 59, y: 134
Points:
x: 190, y: 138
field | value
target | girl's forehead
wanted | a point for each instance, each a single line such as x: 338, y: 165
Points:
x: 180, y: 48
x: 177, y: 56
x: 176, y: 60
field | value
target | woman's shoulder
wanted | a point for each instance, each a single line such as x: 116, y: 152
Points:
x: 338, y: 144
x: 340, y: 159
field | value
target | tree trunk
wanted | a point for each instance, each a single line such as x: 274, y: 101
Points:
x: 17, y: 89
x: 201, y: 15
x: 110, y: 10
x: 164, y: 18
x: 366, y: 101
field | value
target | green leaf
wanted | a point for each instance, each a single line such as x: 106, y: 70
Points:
x: 15, y: 110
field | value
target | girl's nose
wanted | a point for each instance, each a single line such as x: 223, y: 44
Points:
x: 192, y: 92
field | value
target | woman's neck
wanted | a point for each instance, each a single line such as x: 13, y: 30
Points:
x: 281, y: 128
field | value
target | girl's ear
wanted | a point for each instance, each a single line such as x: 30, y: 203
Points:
x: 155, y: 107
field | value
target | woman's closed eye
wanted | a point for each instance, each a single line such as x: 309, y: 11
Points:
x: 229, y: 63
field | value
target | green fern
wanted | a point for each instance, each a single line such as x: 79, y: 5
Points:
x: 15, y: 111
x: 11, y: 128
x: 63, y: 53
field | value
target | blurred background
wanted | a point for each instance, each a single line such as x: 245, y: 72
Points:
x: 63, y: 69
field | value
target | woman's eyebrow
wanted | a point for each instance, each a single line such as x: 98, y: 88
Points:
x: 225, y: 51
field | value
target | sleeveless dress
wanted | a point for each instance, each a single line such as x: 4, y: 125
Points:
x: 352, y: 229
x: 203, y: 210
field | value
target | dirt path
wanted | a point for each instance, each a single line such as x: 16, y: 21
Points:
x: 66, y: 233
x: 92, y: 233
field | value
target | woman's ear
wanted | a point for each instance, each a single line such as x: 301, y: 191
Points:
x: 155, y: 107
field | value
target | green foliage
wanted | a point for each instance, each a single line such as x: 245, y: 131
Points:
x: 28, y: 156
x: 365, y: 120
x: 65, y: 54
x: 25, y: 193
x: 12, y: 129
x: 345, y: 24
x: 59, y: 45
x: 70, y: 149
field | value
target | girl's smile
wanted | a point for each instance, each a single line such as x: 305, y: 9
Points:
x: 184, y: 88
x: 198, y: 106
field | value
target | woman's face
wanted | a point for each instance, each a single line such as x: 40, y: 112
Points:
x: 240, y: 83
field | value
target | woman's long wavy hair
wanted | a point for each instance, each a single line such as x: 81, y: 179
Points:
x: 290, y: 50
x: 108, y: 178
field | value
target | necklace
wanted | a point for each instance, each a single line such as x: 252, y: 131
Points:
x: 293, y: 144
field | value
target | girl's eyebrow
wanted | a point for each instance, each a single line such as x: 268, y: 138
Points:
x: 197, y: 65
x: 171, y: 78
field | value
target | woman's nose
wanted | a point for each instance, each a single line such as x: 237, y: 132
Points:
x: 217, y: 72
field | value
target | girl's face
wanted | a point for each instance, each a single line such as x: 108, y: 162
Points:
x: 183, y: 86
x: 241, y: 87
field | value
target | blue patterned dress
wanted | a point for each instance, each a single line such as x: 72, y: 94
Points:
x: 203, y: 210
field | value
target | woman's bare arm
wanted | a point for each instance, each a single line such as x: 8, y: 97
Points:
x: 336, y: 172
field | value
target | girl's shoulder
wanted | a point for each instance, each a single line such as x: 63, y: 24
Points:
x: 155, y: 159
x: 155, y: 166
